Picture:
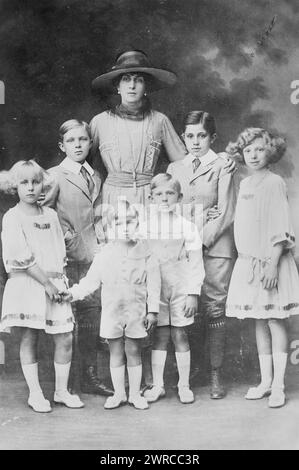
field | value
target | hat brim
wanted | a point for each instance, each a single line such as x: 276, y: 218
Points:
x: 161, y: 78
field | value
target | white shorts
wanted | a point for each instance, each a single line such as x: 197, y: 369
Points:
x: 173, y: 299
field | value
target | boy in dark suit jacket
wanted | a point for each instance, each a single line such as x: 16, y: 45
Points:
x: 75, y: 195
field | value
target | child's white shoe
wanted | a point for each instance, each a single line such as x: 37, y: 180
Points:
x: 139, y: 402
x: 154, y: 393
x: 115, y: 402
x: 256, y: 393
x: 185, y: 395
x: 38, y: 403
x: 277, y: 398
x: 64, y: 397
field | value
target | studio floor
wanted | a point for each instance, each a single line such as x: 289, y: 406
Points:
x: 231, y: 423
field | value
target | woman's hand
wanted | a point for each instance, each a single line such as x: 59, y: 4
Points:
x: 41, y: 198
x: 150, y: 321
x: 68, y: 235
x: 270, y: 276
x: 213, y: 213
x: 52, y: 292
x: 66, y: 296
x: 191, y: 306
x: 230, y: 165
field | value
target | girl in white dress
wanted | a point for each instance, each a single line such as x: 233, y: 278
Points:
x: 34, y: 258
x: 264, y: 283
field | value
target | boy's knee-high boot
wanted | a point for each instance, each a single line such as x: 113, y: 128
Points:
x: 217, y: 332
x: 88, y: 332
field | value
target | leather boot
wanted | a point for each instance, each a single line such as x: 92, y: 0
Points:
x: 217, y: 388
x: 92, y: 384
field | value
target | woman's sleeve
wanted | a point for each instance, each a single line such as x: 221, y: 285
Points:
x: 91, y: 281
x: 95, y: 153
x: 279, y: 217
x: 94, y: 133
x: 17, y: 254
x: 174, y: 147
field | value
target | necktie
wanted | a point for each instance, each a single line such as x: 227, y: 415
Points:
x: 88, y: 179
x: 196, y: 163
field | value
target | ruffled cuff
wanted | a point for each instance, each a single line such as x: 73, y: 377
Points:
x: 14, y: 264
x: 287, y: 238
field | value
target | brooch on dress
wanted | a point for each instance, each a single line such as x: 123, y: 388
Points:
x: 42, y: 226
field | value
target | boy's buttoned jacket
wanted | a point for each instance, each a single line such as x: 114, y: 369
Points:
x: 129, y: 280
x: 210, y: 185
x: 78, y: 210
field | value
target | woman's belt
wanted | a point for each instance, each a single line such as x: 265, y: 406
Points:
x: 128, y: 179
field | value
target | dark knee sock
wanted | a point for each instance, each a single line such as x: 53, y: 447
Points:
x: 196, y: 341
x: 87, y: 343
x: 217, y: 341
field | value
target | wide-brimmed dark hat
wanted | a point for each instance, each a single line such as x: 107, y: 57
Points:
x: 134, y: 61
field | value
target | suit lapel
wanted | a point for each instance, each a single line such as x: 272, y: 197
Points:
x: 202, y: 169
x: 78, y: 181
x: 97, y: 186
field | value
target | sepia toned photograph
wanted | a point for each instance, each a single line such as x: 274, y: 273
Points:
x: 149, y: 201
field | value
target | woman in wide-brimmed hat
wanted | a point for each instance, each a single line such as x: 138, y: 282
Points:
x: 130, y: 136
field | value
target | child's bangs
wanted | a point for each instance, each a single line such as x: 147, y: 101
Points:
x: 127, y: 216
x: 24, y: 171
x: 122, y: 211
x: 163, y: 179
x: 23, y: 168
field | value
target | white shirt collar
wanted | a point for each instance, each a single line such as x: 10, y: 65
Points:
x: 187, y: 161
x: 209, y: 157
x: 75, y: 167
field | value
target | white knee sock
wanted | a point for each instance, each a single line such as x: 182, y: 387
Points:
x: 134, y: 373
x: 62, y: 372
x: 158, y: 364
x: 183, y: 365
x: 30, y: 372
x: 279, y: 363
x: 265, y: 361
x: 118, y: 380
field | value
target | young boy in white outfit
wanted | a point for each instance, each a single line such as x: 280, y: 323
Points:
x: 176, y: 243
x: 131, y: 286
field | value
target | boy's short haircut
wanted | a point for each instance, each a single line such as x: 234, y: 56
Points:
x: 200, y: 117
x: 164, y: 178
x: 122, y: 209
x: 72, y: 124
